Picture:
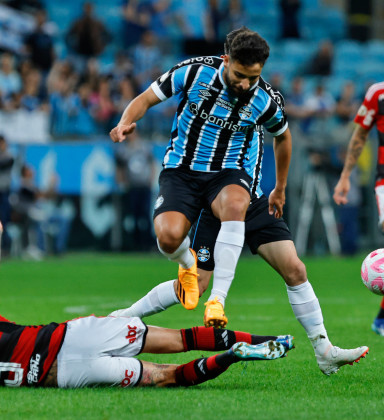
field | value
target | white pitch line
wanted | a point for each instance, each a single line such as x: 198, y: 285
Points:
x: 83, y: 309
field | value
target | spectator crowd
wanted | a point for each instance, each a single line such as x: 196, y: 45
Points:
x: 79, y: 78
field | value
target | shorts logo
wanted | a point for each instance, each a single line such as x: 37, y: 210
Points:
x: 203, y: 255
x: 131, y: 334
x: 243, y: 181
x: 127, y: 380
x: 159, y: 202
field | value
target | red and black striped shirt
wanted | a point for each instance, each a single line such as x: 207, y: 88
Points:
x: 371, y: 113
x: 27, y: 352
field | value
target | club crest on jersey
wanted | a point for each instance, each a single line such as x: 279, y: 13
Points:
x: 203, y: 255
x: 245, y: 112
x: 159, y: 202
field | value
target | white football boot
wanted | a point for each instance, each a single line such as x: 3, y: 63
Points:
x: 331, y: 360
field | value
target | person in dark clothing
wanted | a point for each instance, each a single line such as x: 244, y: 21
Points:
x: 88, y: 36
x: 39, y: 44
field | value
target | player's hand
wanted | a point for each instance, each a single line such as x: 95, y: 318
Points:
x: 276, y: 202
x: 120, y: 132
x: 341, y: 191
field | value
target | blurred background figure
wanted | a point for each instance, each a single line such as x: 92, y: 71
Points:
x: 88, y: 36
x: 321, y: 63
x: 135, y: 175
x: 146, y: 61
x: 6, y: 164
x: 43, y: 226
x: 39, y: 45
x: 27, y: 216
x: 290, y: 18
x: 10, y: 80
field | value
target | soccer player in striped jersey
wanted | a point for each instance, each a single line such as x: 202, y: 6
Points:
x: 214, y: 155
x: 370, y: 114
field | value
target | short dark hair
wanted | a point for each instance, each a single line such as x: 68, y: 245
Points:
x: 246, y: 46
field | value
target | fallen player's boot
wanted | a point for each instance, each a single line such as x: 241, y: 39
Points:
x: 214, y: 315
x: 286, y: 341
x: 331, y: 360
x: 188, y: 288
x: 268, y: 350
x: 378, y: 326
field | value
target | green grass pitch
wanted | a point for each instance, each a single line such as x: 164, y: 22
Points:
x: 289, y: 388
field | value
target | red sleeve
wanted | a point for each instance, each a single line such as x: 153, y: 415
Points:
x: 366, y: 115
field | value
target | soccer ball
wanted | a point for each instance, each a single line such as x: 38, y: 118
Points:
x: 372, y: 271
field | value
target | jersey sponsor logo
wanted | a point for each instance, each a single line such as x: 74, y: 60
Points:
x: 245, y: 112
x: 205, y: 60
x: 229, y: 125
x: 128, y: 379
x: 204, y: 94
x: 159, y: 202
x: 131, y: 336
x: 243, y: 181
x: 33, y: 374
x: 209, y: 87
x: 203, y: 255
x: 194, y: 108
x: 224, y: 104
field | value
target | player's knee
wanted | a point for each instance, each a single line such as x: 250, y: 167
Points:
x: 296, y: 273
x: 170, y: 239
x: 234, y: 210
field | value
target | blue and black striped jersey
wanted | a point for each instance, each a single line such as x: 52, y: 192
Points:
x: 214, y: 129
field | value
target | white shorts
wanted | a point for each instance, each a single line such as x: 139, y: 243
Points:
x: 99, y: 351
x: 379, y: 191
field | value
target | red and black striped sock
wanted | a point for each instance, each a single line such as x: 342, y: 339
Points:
x: 212, y: 339
x: 200, y: 370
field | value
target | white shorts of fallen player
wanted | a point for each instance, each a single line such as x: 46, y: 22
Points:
x: 99, y: 351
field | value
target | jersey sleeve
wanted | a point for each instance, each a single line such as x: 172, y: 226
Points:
x: 170, y: 83
x: 367, y: 113
x: 274, y: 117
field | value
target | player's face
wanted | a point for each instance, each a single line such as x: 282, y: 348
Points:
x: 239, y: 78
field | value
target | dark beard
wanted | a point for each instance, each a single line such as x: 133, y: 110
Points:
x: 240, y: 95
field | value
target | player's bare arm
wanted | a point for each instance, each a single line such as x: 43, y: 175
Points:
x: 355, y: 147
x: 134, y: 112
x: 282, y: 147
